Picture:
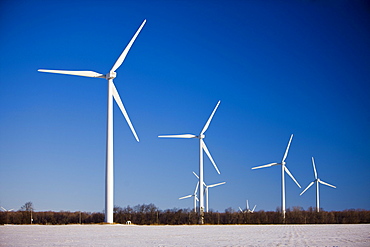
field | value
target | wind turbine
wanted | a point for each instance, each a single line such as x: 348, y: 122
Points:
x: 206, y: 189
x: 317, y: 181
x: 193, y: 195
x: 284, y: 169
x: 112, y: 93
x: 5, y: 210
x: 202, y: 147
x: 247, y: 210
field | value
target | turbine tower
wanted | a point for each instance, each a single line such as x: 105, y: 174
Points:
x: 317, y: 181
x: 284, y: 169
x: 112, y: 93
x: 202, y: 147
x: 206, y: 187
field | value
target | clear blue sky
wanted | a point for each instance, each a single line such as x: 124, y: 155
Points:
x: 278, y: 67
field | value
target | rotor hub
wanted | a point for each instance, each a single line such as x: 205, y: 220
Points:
x: 111, y: 75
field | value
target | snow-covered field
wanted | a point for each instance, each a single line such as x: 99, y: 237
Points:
x: 207, y: 235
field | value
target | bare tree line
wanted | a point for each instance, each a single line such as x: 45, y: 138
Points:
x: 149, y: 214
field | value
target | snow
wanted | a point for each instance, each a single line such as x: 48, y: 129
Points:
x: 206, y: 235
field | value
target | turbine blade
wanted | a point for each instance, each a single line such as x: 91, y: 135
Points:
x: 287, y: 149
x: 247, y: 205
x: 196, y: 189
x: 123, y: 110
x: 209, y: 119
x: 79, y: 73
x: 287, y: 171
x: 214, y: 185
x: 314, y: 167
x: 325, y: 183
x: 178, y: 136
x: 209, y: 154
x: 196, y: 198
x: 198, y: 178
x: 125, y: 51
x: 254, y: 208
x: 185, y: 197
x: 268, y: 165
x: 240, y: 210
x: 3, y: 209
x: 307, y: 188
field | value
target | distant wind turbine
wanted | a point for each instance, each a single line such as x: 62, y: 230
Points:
x: 206, y: 189
x: 193, y: 195
x: 284, y: 169
x: 317, y: 181
x: 5, y: 210
x: 202, y: 147
x: 247, y: 210
x: 112, y: 93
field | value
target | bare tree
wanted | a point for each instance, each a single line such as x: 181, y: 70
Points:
x: 28, y: 207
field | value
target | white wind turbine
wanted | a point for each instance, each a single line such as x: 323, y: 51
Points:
x: 317, y: 181
x: 284, y: 169
x: 206, y: 189
x: 6, y: 210
x: 193, y: 195
x: 202, y: 147
x: 247, y: 210
x: 112, y: 93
